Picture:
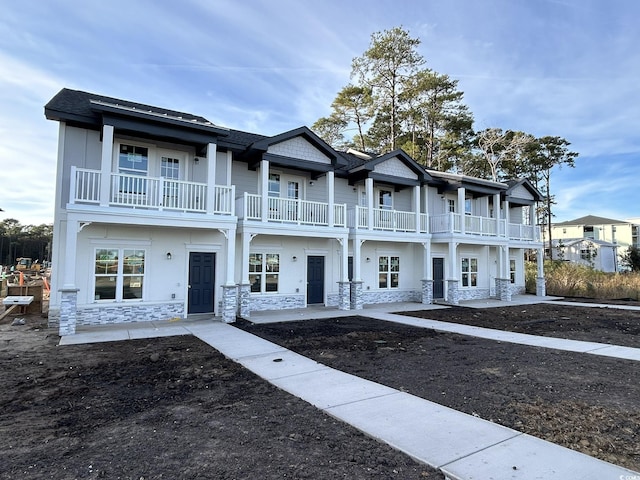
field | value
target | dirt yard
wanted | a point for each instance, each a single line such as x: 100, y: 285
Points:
x: 166, y: 408
x: 175, y: 408
x: 584, y: 402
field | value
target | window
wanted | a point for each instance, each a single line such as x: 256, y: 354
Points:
x: 119, y: 274
x: 512, y: 270
x: 274, y: 185
x: 469, y: 272
x: 388, y: 272
x: 588, y: 231
x: 385, y: 199
x: 170, y: 170
x: 467, y: 206
x: 133, y: 161
x: 588, y: 252
x: 452, y: 205
x: 264, y: 270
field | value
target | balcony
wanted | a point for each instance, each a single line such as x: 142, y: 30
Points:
x: 153, y: 193
x: 291, y: 211
x: 445, y: 224
x: 387, y: 220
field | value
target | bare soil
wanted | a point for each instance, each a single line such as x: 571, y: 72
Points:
x: 584, y: 402
x: 169, y: 408
x: 176, y: 408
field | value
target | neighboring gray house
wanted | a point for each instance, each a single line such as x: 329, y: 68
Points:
x: 597, y: 254
x: 161, y: 214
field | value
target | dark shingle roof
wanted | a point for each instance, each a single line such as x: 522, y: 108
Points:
x: 78, y: 104
x: 592, y: 220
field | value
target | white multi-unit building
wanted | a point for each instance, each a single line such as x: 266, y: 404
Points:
x: 161, y: 214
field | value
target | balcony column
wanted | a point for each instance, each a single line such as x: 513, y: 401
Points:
x: 427, y: 280
x: 368, y: 183
x: 330, y: 198
x: 105, y: 165
x: 230, y: 289
x: 416, y: 206
x: 356, y: 301
x: 211, y: 177
x: 344, y: 286
x: 425, y: 210
x: 264, y: 190
x: 461, y: 209
x: 245, y: 286
x: 69, y: 291
x: 453, y: 292
x: 496, y: 206
x: 541, y: 289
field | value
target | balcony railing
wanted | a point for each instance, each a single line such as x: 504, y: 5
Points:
x: 157, y: 193
x: 293, y: 211
x: 387, y: 220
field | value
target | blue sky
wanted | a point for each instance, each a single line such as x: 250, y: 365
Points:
x: 569, y: 68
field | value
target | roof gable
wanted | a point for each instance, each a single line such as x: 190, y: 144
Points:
x: 522, y: 192
x: 299, y: 147
x: 395, y: 167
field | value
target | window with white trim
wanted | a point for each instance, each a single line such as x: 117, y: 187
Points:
x: 385, y: 199
x: 469, y: 272
x: 388, y: 272
x: 133, y: 162
x: 264, y: 272
x: 119, y: 274
x: 451, y: 205
x: 512, y: 270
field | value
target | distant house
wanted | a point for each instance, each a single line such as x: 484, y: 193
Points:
x: 161, y: 214
x: 606, y: 235
x: 597, y: 254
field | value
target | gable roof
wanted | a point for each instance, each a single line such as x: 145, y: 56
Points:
x: 515, y: 186
x: 592, y: 220
x: 363, y: 166
x: 474, y: 185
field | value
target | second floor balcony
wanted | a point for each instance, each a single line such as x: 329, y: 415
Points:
x: 376, y: 219
x: 151, y: 193
x: 292, y: 211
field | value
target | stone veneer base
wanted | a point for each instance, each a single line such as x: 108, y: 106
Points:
x: 110, y: 314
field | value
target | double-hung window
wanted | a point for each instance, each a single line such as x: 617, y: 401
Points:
x: 119, y: 274
x: 469, y: 272
x: 264, y: 272
x: 388, y: 272
x: 512, y: 270
x: 133, y: 167
x: 170, y: 171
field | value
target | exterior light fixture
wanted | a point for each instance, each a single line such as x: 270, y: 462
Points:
x: 168, y: 255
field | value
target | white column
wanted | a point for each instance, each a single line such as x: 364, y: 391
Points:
x: 461, y: 208
x: 369, y: 189
x: 425, y: 196
x: 453, y: 261
x: 345, y: 259
x: 229, y: 167
x: 244, y: 262
x: 330, y: 198
x: 231, y: 257
x: 427, y: 268
x: 357, y: 259
x: 264, y: 189
x: 496, y: 206
x: 416, y: 205
x: 70, y: 250
x: 105, y: 165
x: 540, y: 262
x: 211, y: 177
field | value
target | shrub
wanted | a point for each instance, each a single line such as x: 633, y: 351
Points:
x: 567, y: 279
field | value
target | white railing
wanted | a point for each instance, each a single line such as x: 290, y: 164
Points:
x: 445, y: 223
x: 289, y: 210
x: 85, y: 185
x: 156, y: 193
x: 475, y: 225
x: 519, y: 231
x: 388, y: 220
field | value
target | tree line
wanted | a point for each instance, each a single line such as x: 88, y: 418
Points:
x: 32, y: 241
x: 393, y: 100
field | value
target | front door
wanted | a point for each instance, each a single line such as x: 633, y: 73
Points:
x: 201, y: 282
x: 315, y: 280
x: 438, y: 278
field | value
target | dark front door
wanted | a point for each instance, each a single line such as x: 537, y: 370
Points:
x: 315, y: 280
x: 438, y: 278
x: 201, y: 282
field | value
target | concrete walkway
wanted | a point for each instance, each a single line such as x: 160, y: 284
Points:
x: 461, y: 445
